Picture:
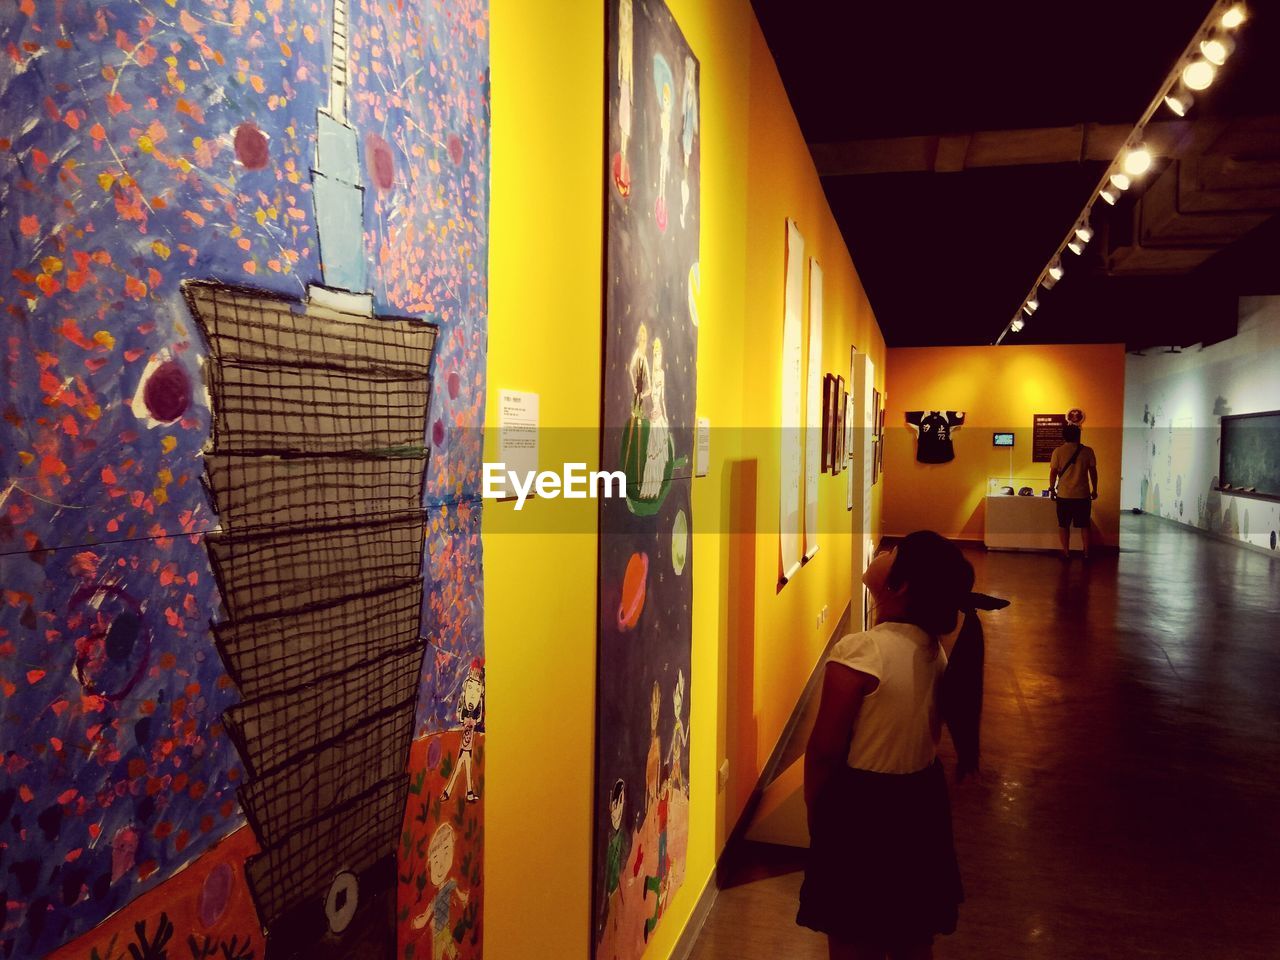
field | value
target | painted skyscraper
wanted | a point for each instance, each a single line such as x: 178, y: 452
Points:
x: 316, y: 467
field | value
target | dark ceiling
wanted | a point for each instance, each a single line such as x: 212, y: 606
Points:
x: 947, y: 257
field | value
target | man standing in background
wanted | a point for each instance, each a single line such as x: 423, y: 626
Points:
x: 1073, y: 481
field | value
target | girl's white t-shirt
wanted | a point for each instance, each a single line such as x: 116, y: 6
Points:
x: 898, y: 727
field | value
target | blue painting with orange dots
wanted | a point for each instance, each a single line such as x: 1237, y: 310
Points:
x: 302, y: 156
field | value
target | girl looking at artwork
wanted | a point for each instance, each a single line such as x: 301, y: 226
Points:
x: 882, y: 878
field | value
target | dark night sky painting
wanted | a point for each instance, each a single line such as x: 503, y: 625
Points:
x: 652, y: 179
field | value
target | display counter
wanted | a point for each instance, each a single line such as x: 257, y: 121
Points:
x: 1020, y: 523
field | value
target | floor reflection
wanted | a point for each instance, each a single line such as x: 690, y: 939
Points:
x: 1131, y: 767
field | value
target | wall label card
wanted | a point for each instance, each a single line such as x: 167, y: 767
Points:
x: 703, y: 460
x: 518, y: 431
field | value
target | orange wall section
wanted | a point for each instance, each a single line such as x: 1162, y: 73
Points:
x: 753, y: 645
x: 999, y: 389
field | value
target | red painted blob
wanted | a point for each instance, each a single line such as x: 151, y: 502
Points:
x: 633, y: 591
x: 455, y: 385
x: 437, y: 433
x: 382, y: 167
x: 167, y: 393
x: 455, y: 149
x: 251, y: 146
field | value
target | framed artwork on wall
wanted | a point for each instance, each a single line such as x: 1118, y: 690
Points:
x: 828, y: 422
x: 645, y: 586
x: 841, y: 401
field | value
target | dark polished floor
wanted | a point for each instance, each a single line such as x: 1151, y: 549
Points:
x: 1129, y: 804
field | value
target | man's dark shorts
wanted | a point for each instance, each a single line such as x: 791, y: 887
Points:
x: 1074, y: 513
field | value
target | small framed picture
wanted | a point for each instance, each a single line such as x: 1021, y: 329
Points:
x: 828, y: 421
x: 840, y: 401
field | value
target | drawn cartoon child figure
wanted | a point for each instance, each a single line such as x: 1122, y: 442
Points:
x: 618, y: 850
x: 653, y: 763
x: 657, y: 453
x: 663, y: 81
x: 679, y: 735
x: 634, y: 443
x: 689, y: 128
x: 626, y: 86
x: 658, y: 883
x: 439, y: 863
x: 470, y: 713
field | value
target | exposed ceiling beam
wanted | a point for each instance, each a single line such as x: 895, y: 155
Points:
x: 952, y: 153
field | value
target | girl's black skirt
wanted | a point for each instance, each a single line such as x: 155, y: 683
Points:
x: 882, y: 859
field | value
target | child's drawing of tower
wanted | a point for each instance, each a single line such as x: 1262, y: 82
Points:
x: 316, y: 465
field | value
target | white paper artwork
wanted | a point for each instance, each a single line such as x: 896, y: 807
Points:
x: 790, y: 423
x: 813, y: 413
x: 864, y: 381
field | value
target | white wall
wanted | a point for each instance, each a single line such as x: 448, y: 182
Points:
x: 1173, y: 405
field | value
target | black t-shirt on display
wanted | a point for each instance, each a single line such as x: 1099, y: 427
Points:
x: 933, y: 432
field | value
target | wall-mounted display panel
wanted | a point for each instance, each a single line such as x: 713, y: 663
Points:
x: 641, y: 812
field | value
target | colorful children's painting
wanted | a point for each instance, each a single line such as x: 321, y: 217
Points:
x: 646, y: 565
x: 241, y: 626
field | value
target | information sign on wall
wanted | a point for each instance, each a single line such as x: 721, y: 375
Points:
x: 1046, y: 433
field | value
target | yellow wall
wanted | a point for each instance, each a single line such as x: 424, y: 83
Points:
x: 998, y: 388
x: 753, y: 646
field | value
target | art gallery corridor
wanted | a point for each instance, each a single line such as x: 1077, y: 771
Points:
x: 1131, y: 767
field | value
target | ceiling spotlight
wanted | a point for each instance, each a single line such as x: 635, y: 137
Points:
x: 1198, y: 74
x: 1109, y: 194
x: 1234, y: 17
x: 1084, y: 232
x: 1017, y: 324
x: 1216, y: 50
x: 1137, y: 161
x: 1120, y: 181
x: 1055, y: 269
x: 1031, y: 306
x: 1179, y: 101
